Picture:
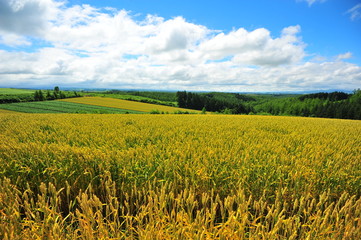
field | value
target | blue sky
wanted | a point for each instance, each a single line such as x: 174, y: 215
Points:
x: 258, y: 45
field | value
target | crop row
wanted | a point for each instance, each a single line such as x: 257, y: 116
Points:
x: 126, y: 104
x: 60, y: 107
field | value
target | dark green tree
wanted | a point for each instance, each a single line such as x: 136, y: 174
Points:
x: 39, y: 96
x: 182, y: 99
x: 61, y: 95
x: 49, y: 96
x: 36, y: 96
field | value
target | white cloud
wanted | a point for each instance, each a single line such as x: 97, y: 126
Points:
x: 355, y: 12
x: 13, y: 40
x: 346, y: 55
x: 27, y: 17
x: 239, y: 41
x: 256, y: 47
x: 310, y: 2
x: 284, y: 50
x: 90, y: 47
x: 175, y: 34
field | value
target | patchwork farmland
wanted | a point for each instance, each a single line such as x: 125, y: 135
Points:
x: 125, y: 104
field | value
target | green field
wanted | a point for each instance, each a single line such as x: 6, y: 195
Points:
x: 60, y: 107
x: 12, y: 91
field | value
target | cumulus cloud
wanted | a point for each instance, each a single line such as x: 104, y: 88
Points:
x: 286, y: 49
x: 91, y: 47
x: 175, y: 34
x: 355, y: 12
x: 26, y: 17
x: 235, y: 42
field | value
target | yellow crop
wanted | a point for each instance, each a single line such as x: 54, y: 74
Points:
x: 179, y: 177
x: 125, y: 104
x: 3, y: 111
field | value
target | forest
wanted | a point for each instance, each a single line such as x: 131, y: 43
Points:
x: 326, y: 105
x: 12, y: 95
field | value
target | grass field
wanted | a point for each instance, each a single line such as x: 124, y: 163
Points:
x: 179, y: 177
x: 125, y: 104
x: 14, y: 91
x: 60, y: 107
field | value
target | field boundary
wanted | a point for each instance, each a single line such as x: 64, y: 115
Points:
x: 127, y: 105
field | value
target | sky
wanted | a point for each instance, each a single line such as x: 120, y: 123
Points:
x: 229, y: 45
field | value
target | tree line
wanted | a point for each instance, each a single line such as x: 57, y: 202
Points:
x: 38, y: 95
x: 55, y: 94
x: 326, y: 105
x: 210, y: 103
x: 333, y: 96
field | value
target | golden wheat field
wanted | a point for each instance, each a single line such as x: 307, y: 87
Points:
x: 179, y: 177
x: 3, y: 111
x: 126, y: 104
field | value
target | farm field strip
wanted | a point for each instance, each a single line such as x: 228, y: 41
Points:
x: 6, y: 111
x: 26, y: 108
x: 72, y: 107
x: 134, y: 98
x: 48, y: 106
x: 179, y: 177
x: 60, y: 107
x: 126, y: 104
x: 13, y: 91
x: 31, y: 107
